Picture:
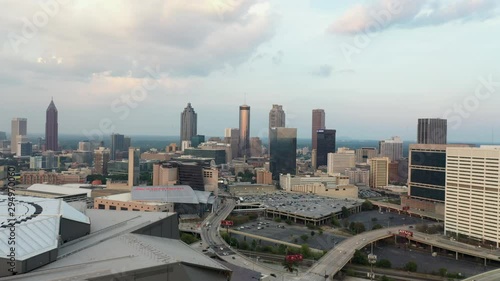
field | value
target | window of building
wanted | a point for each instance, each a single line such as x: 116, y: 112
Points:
x: 123, y: 209
x: 135, y: 210
x: 101, y: 206
x: 112, y: 207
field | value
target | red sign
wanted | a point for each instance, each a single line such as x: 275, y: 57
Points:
x: 293, y: 258
x: 226, y: 223
x: 405, y: 233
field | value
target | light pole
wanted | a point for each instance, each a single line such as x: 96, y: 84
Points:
x: 372, y: 259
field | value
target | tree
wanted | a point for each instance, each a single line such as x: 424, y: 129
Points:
x: 377, y: 226
x: 411, y: 266
x: 305, y: 250
x: 244, y: 246
x: 288, y: 221
x: 278, y: 219
x: 367, y: 206
x: 312, y: 233
x: 304, y: 237
x: 290, y: 266
x: 357, y: 227
x: 385, y: 278
x: 320, y: 231
x: 345, y: 212
x: 443, y: 271
x: 360, y: 258
x: 254, y: 244
x: 383, y: 263
x: 335, y: 222
x: 188, y: 238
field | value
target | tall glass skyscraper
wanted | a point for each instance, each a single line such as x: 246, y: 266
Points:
x: 325, y: 144
x: 51, y: 128
x: 283, y: 151
x: 19, y: 128
x: 318, y: 123
x: 244, y: 145
x: 432, y: 131
x: 189, y: 123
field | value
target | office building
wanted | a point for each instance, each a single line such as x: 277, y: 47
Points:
x: 335, y: 186
x: 185, y: 144
x: 19, y: 128
x: 24, y: 149
x: 358, y: 176
x: 325, y: 140
x: 196, y: 174
x: 189, y: 123
x: 82, y: 157
x: 365, y: 153
x: 134, y: 156
x: 218, y: 154
x: 101, y: 158
x: 283, y: 151
x: 276, y: 117
x: 84, y: 146
x: 5, y: 146
x: 432, y: 131
x: 318, y: 123
x: 51, y: 128
x: 263, y: 176
x: 379, y: 172
x: 3, y: 136
x: 255, y: 147
x: 427, y: 177
x: 197, y: 140
x: 232, y: 137
x: 50, y: 159
x: 392, y: 148
x: 117, y: 146
x: 343, y: 159
x: 244, y: 142
x: 36, y: 162
x: 473, y: 193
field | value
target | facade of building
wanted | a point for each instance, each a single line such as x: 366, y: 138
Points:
x: 358, y: 176
x: 51, y: 128
x: 343, y: 159
x: 19, y: 128
x: 473, y: 193
x: 84, y: 146
x: 336, y: 186
x: 392, y: 148
x: 365, y: 153
x: 197, y: 140
x: 283, y: 151
x: 218, y: 154
x: 101, y: 159
x: 244, y: 141
x: 276, y: 118
x: 134, y: 170
x: 255, y: 147
x: 379, y: 172
x: 194, y: 174
x: 325, y: 140
x: 189, y: 123
x: 432, y: 131
x: 51, y: 178
x: 232, y: 137
x: 117, y: 146
x: 318, y: 123
x: 24, y: 149
x: 263, y: 176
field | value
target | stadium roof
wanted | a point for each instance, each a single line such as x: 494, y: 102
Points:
x: 170, y: 193
x: 37, y: 222
x: 59, y: 189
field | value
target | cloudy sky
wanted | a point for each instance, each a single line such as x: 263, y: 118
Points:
x: 374, y: 66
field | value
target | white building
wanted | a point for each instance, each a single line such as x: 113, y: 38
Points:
x: 472, y: 205
x: 340, y: 161
x: 392, y: 148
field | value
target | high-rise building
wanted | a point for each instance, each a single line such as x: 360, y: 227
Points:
x: 51, y: 128
x: 432, y: 131
x: 325, y: 140
x: 84, y: 146
x: 50, y: 159
x: 24, y: 149
x: 427, y: 176
x: 232, y: 137
x: 134, y: 156
x: 276, y: 117
x: 318, y: 123
x: 365, y: 153
x: 101, y: 159
x: 197, y: 140
x: 127, y: 143
x: 255, y: 147
x: 379, y: 172
x: 283, y: 151
x: 189, y: 123
x: 392, y: 148
x: 117, y: 145
x: 340, y: 161
x: 19, y: 128
x: 3, y: 136
x: 473, y: 193
x: 244, y: 143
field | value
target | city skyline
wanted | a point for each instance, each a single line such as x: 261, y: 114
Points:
x: 218, y: 76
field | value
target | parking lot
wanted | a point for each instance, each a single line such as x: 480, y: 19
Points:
x: 386, y: 219
x: 288, y: 233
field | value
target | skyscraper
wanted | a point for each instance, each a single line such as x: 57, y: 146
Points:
x: 325, y: 140
x: 244, y: 149
x: 393, y: 148
x: 134, y: 156
x: 232, y: 137
x: 51, y: 128
x: 283, y: 151
x: 3, y: 136
x: 432, y: 131
x: 318, y: 123
x: 117, y: 145
x: 276, y: 118
x: 19, y: 128
x: 101, y: 159
x: 379, y: 172
x: 189, y: 123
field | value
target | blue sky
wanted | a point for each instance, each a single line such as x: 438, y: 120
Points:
x: 373, y: 66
